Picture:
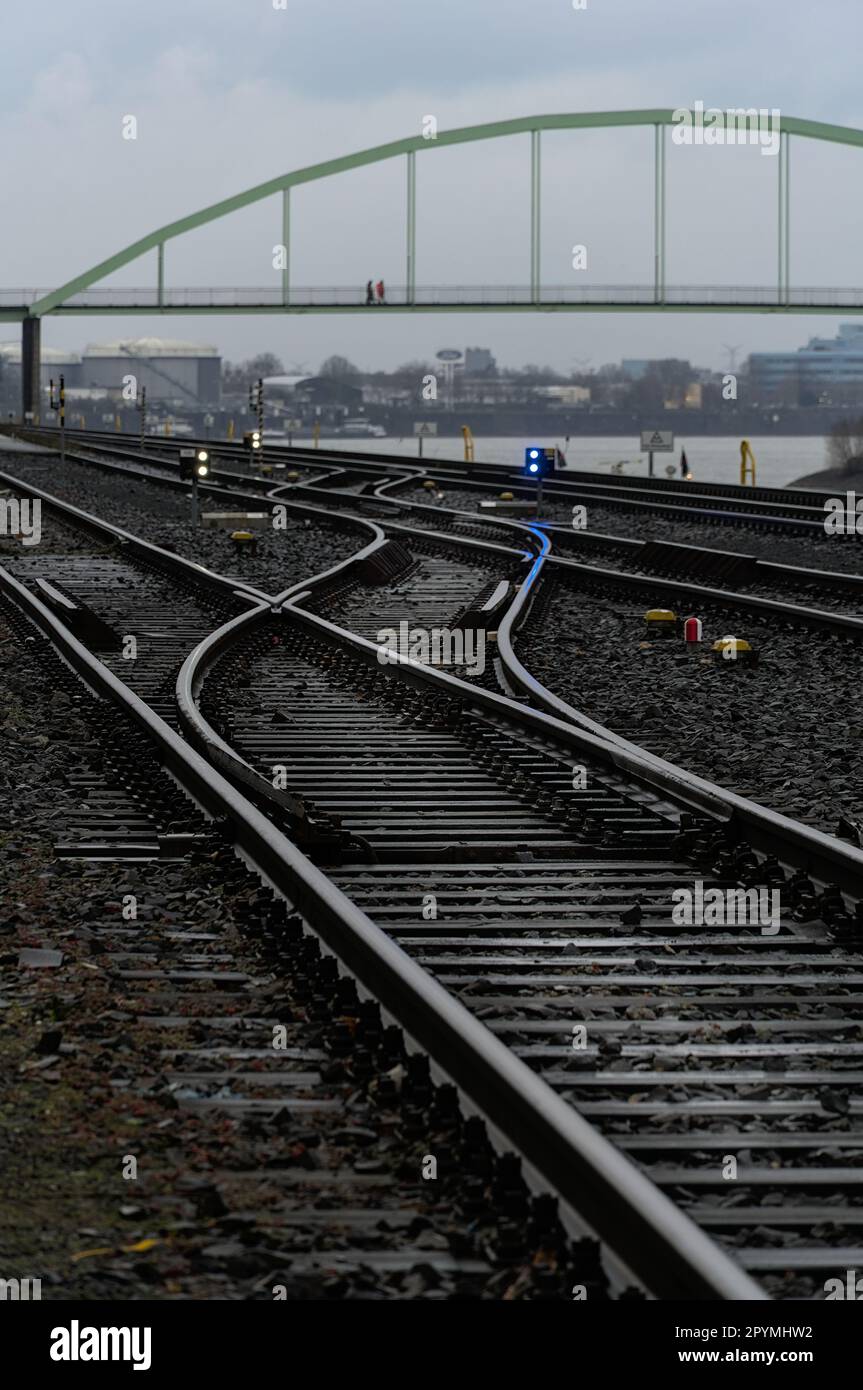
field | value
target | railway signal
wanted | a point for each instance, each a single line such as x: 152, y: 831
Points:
x: 194, y: 464
x: 539, y: 461
x: 256, y: 406
x: 60, y: 406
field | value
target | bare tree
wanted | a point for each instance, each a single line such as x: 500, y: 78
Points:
x: 845, y: 444
x: 338, y: 368
x: 239, y: 376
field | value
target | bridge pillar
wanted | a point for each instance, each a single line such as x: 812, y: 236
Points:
x: 31, y: 367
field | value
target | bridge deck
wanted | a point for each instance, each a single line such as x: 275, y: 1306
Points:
x: 15, y: 304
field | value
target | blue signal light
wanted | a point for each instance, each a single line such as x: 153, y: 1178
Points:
x: 539, y: 461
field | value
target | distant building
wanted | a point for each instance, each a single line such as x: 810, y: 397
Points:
x: 313, y: 391
x: 635, y: 367
x: 479, y: 362
x: 565, y: 395
x: 173, y: 373
x: 825, y: 367
x: 691, y: 397
x: 55, y: 361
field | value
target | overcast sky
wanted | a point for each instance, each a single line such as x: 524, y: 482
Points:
x: 227, y: 93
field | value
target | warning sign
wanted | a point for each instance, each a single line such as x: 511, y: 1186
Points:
x: 657, y: 441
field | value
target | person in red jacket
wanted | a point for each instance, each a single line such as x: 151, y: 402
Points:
x: 380, y: 289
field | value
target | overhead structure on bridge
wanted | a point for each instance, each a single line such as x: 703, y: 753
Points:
x: 78, y: 296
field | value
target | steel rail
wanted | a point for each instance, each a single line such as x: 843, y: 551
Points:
x: 827, y: 859
x: 659, y: 1243
x: 839, y: 624
x: 632, y: 490
x: 106, y: 530
x: 481, y: 471
x: 456, y: 470
x: 761, y: 569
x: 810, y: 520
x: 817, y: 618
x: 294, y: 595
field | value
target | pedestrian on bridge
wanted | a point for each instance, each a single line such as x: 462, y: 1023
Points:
x: 370, y: 292
x: 380, y: 288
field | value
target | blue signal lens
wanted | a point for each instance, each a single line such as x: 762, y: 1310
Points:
x: 534, y: 468
x: 534, y: 453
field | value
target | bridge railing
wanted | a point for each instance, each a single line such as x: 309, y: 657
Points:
x: 446, y: 296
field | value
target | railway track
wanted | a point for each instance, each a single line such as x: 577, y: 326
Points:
x: 373, y: 462
x: 547, y: 911
x: 215, y: 1041
x: 768, y: 541
x: 475, y: 1060
x: 679, y: 712
x: 813, y: 570
x: 776, y: 731
x: 459, y: 824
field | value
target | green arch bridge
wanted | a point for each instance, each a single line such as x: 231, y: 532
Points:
x: 82, y: 295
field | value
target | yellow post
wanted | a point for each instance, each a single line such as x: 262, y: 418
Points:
x: 167, y: 429
x: 117, y: 424
x: 747, y: 463
x: 468, y: 443
x: 230, y: 430
x: 316, y: 433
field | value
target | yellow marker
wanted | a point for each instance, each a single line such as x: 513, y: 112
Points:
x: 661, y: 622
x: 230, y: 429
x: 747, y: 462
x: 731, y: 649
x: 468, y: 443
x: 506, y: 497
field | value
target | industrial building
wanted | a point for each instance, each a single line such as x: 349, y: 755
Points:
x: 54, y: 362
x: 825, y: 370
x: 479, y: 361
x: 173, y: 373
